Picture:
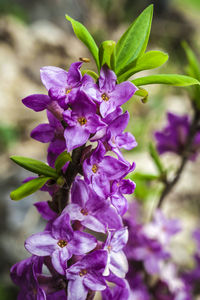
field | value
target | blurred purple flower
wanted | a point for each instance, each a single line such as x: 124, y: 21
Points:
x: 173, y: 137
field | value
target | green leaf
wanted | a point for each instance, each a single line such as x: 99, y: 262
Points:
x: 35, y: 166
x: 193, y: 61
x: 107, y: 54
x: 142, y: 93
x: 91, y: 73
x: 143, y: 176
x: 156, y: 158
x: 83, y: 34
x: 28, y: 188
x: 170, y: 79
x: 61, y: 160
x: 149, y: 60
x: 134, y: 41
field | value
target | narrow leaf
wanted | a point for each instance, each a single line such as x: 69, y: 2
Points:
x: 192, y: 60
x: 83, y: 34
x: 91, y: 73
x: 28, y: 188
x: 107, y: 54
x: 61, y: 160
x: 170, y: 79
x: 149, y: 60
x: 156, y: 158
x: 134, y: 41
x: 35, y: 166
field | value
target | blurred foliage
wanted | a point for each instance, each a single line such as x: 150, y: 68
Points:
x: 12, y: 8
x: 8, y: 136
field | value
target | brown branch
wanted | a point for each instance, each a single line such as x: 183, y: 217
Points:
x: 185, y: 157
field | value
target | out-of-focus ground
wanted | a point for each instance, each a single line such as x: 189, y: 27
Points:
x: 35, y: 34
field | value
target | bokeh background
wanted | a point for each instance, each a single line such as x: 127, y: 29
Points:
x: 35, y: 33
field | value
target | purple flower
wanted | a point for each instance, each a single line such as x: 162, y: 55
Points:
x: 121, y: 291
x: 117, y: 262
x: 109, y: 94
x: 92, y: 211
x: 86, y: 275
x: 82, y: 121
x: 99, y: 170
x: 120, y: 187
x: 51, y: 133
x: 24, y: 274
x: 61, y: 242
x: 61, y: 84
x: 45, y: 211
x: 173, y: 137
x: 161, y: 229
x: 116, y: 139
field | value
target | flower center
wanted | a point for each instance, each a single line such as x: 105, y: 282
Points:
x: 109, y: 248
x: 82, y: 121
x: 82, y: 272
x: 84, y: 211
x: 105, y: 97
x: 67, y: 91
x: 62, y: 243
x: 94, y: 168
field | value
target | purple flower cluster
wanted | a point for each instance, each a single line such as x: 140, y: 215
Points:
x: 152, y: 274
x: 82, y: 243
x: 174, y: 137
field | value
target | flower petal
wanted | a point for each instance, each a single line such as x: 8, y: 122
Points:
x: 94, y: 282
x: 45, y: 211
x: 37, y: 102
x: 82, y: 243
x: 43, y: 133
x: 75, y: 137
x: 61, y: 228
x: 53, y: 77
x: 76, y: 289
x: 41, y: 244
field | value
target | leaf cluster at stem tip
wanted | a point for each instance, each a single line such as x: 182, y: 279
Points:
x: 128, y: 57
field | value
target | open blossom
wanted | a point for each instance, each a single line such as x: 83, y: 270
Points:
x: 109, y: 94
x: 60, y: 83
x: 116, y: 139
x: 173, y: 137
x: 61, y: 242
x: 162, y: 228
x: 117, y: 262
x: 82, y: 121
x: 99, y: 170
x: 24, y: 274
x: 51, y: 133
x: 92, y: 211
x: 86, y: 275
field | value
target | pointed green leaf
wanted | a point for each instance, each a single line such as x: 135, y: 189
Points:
x: 144, y: 176
x: 91, y: 73
x: 83, y: 34
x: 61, y: 160
x: 28, y: 188
x: 107, y: 54
x: 35, y: 166
x: 149, y: 60
x: 193, y: 61
x: 156, y: 158
x: 170, y: 79
x: 134, y: 41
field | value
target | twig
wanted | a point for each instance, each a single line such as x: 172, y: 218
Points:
x: 185, y: 156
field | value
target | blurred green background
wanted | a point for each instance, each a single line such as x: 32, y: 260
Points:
x: 35, y: 33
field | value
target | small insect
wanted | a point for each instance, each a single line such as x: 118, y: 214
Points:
x: 84, y: 59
